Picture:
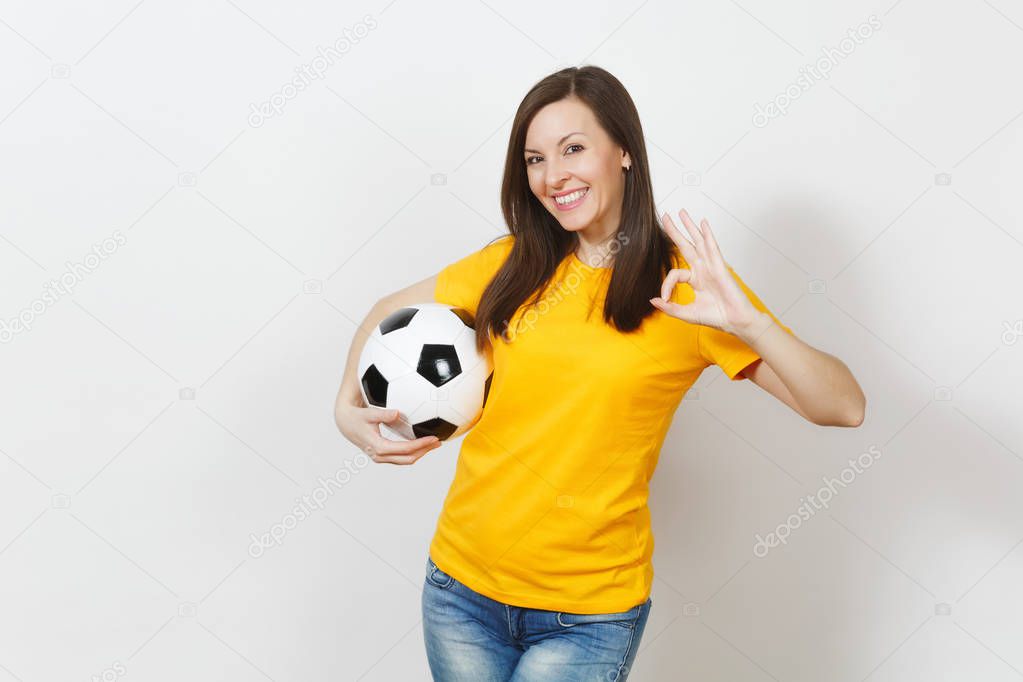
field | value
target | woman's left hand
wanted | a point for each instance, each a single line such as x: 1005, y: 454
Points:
x: 719, y: 302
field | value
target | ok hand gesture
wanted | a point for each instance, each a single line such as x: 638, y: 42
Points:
x: 719, y: 302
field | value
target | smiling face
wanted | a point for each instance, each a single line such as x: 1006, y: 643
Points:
x: 570, y: 157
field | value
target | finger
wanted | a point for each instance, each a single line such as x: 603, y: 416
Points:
x: 694, y: 232
x: 668, y: 285
x: 394, y: 460
x: 424, y: 441
x: 682, y: 312
x: 378, y: 415
x: 404, y: 460
x: 688, y: 252
x: 386, y: 446
x: 713, y: 250
x: 382, y: 416
x: 674, y: 278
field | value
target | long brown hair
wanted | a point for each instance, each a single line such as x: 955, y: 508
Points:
x: 540, y: 241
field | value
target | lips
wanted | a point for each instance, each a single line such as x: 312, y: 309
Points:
x: 566, y: 192
x: 580, y: 195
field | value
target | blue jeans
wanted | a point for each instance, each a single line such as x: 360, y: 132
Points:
x: 472, y: 638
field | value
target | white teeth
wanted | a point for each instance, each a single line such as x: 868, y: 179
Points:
x: 569, y: 198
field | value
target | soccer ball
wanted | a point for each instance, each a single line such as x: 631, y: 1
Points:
x: 422, y: 361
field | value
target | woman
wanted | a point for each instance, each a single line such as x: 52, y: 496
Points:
x: 540, y: 567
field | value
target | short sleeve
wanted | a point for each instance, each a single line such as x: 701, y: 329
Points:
x: 462, y: 282
x: 726, y: 350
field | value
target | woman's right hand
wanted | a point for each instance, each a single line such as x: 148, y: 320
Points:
x: 360, y: 425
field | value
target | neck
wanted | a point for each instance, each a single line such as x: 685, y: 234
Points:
x: 594, y: 250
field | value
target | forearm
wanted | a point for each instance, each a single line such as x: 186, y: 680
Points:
x: 350, y: 393
x: 820, y: 383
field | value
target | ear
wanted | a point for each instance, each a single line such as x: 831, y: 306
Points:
x: 626, y: 160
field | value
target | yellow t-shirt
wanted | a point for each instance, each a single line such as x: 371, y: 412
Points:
x: 548, y: 506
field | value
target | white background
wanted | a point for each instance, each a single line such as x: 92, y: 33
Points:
x: 181, y: 398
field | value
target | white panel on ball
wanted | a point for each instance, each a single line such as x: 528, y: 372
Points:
x: 422, y: 361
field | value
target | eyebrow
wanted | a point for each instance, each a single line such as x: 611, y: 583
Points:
x: 559, y: 141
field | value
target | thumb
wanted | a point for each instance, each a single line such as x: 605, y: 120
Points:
x: 380, y: 415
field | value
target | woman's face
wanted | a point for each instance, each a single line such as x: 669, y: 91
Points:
x: 566, y: 150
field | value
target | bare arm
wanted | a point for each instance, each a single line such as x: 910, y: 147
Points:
x: 815, y: 384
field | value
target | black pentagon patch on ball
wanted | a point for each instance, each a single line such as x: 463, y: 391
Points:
x: 465, y: 316
x: 375, y: 386
x: 434, y: 427
x: 397, y: 320
x: 438, y: 363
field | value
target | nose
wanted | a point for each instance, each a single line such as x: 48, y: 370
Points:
x: 556, y: 176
